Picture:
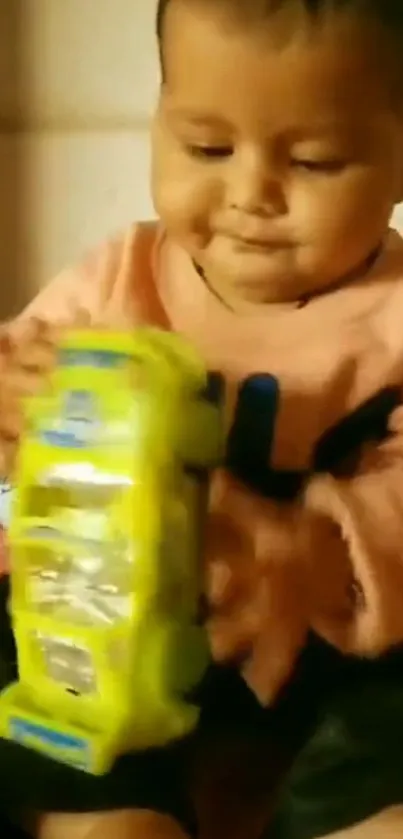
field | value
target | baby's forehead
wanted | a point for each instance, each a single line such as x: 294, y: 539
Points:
x: 330, y: 80
x: 202, y: 37
x: 386, y: 15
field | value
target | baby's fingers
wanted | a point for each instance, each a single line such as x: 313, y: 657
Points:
x: 35, y: 351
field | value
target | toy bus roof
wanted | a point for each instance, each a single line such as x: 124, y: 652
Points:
x: 101, y: 349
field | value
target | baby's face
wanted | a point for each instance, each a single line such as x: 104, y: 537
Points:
x: 277, y: 155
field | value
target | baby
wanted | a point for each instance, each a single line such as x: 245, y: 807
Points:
x: 277, y: 163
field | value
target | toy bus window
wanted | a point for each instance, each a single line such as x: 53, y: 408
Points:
x: 66, y: 663
x: 88, y: 588
x: 79, y: 557
x: 52, y: 501
x: 39, y: 501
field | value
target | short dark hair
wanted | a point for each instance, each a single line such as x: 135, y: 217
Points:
x: 388, y: 13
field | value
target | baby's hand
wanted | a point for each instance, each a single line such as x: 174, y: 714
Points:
x: 26, y: 359
x: 255, y: 580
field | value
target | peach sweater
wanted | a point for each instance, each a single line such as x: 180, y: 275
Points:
x: 330, y: 556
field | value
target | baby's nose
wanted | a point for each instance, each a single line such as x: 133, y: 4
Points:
x: 255, y: 187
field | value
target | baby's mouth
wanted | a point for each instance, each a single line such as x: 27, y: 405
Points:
x: 244, y: 243
x: 263, y: 244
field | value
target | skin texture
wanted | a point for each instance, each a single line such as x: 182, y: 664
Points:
x: 121, y: 825
x: 277, y: 157
x: 231, y: 794
x: 277, y: 161
x: 387, y: 825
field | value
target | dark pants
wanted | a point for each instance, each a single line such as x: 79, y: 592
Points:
x: 338, y: 725
x: 157, y: 779
x: 10, y: 831
x: 346, y: 719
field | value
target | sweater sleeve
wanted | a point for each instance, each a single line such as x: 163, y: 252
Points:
x: 27, y: 347
x: 100, y: 292
x: 356, y: 590
x: 95, y: 293
x: 75, y: 294
x: 331, y: 562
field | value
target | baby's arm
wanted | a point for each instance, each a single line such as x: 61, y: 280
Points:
x: 331, y: 561
x: 25, y: 361
x: 122, y: 824
x: 27, y: 345
x: 107, y: 289
x: 98, y: 292
x: 364, y: 513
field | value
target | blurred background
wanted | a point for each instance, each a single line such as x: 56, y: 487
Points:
x: 77, y: 82
x: 78, y: 79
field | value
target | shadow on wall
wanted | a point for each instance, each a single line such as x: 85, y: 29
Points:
x: 11, y: 158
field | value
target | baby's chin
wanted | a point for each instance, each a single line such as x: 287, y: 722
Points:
x: 258, y: 280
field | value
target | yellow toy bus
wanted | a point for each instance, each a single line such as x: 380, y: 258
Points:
x: 105, y: 541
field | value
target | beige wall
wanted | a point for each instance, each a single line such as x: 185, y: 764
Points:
x: 77, y: 83
x: 9, y: 153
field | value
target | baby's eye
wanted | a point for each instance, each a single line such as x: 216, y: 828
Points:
x: 210, y: 152
x: 329, y: 166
